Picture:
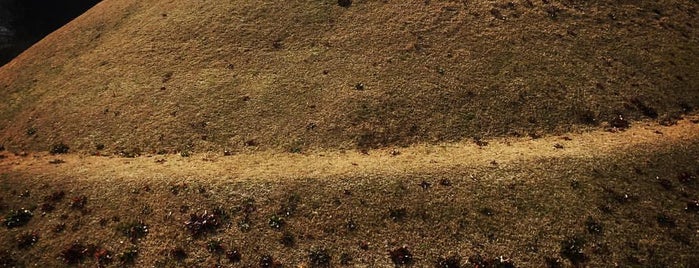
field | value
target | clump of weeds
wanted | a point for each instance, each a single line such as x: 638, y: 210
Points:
x: 288, y: 239
x: 178, y: 254
x: 319, y: 258
x: 134, y: 230
x: 448, y: 262
x: 233, y: 256
x: 78, y: 202
x: 397, y: 214
x: 401, y: 256
x: 128, y: 257
x: 267, y: 261
x: 573, y: 249
x: 202, y: 223
x: 215, y: 247
x: 59, y: 148
x: 74, y: 253
x: 102, y: 256
x: 17, y: 218
x: 276, y: 222
x: 27, y: 240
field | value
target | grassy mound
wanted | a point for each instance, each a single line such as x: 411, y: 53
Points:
x: 181, y: 76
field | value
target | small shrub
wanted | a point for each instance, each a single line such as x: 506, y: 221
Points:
x: 31, y: 131
x: 59, y: 148
x: 666, y: 221
x: 27, y: 240
x: 319, y: 258
x: 397, y: 214
x: 233, y: 256
x: 17, y: 218
x: 449, y: 262
x: 692, y: 206
x: 134, y: 230
x: 55, y: 196
x: 267, y: 261
x: 78, y: 202
x: 215, y: 247
x: 276, y: 222
x: 178, y: 253
x: 6, y: 260
x: 593, y: 227
x: 74, y: 254
x: 573, y: 249
x: 129, y: 256
x: 401, y: 256
x: 102, y: 256
x: 619, y: 122
x: 288, y: 239
x: 205, y: 222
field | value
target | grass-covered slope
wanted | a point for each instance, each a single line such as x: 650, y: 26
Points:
x: 599, y: 199
x: 299, y: 75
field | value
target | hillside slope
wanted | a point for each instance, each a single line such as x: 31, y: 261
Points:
x: 176, y: 75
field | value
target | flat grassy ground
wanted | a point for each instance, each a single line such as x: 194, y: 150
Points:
x: 596, y: 199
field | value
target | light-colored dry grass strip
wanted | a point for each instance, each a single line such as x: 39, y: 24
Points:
x: 421, y: 158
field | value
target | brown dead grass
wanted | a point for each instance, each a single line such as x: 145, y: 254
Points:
x: 523, y: 207
x: 275, y: 83
x: 267, y: 71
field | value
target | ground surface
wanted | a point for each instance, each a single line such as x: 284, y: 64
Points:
x: 137, y: 76
x: 307, y: 133
x: 599, y: 199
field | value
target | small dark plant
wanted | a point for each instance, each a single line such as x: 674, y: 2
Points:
x: 276, y: 222
x: 215, y: 247
x: 74, y: 253
x: 619, y: 122
x: 449, y: 262
x: 692, y: 206
x: 593, y: 227
x: 573, y: 249
x: 78, y: 202
x: 59, y: 148
x: 27, y: 240
x: 102, y: 256
x: 319, y: 258
x: 205, y: 222
x: 129, y: 256
x: 134, y: 230
x: 666, y: 221
x: 233, y: 256
x: 397, y: 214
x: 401, y: 256
x: 267, y: 261
x: 178, y: 254
x: 17, y: 218
x: 288, y: 239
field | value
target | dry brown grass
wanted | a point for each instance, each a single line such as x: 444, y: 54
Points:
x: 517, y: 198
x: 480, y: 128
x: 283, y: 74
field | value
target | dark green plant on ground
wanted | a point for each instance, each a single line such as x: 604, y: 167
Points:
x: 276, y: 222
x: 17, y: 218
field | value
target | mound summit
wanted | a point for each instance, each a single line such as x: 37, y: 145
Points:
x: 301, y: 75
